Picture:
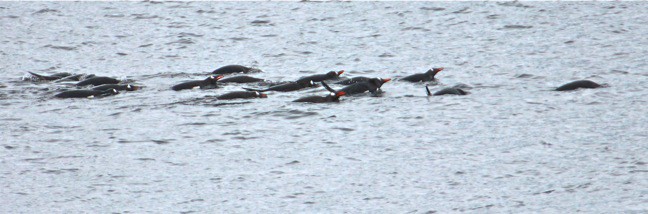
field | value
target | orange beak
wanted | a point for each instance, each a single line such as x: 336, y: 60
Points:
x: 386, y: 80
x: 219, y: 77
x: 340, y: 93
x: 439, y: 69
x: 340, y: 72
x: 263, y: 95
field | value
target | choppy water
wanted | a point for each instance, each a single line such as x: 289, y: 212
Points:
x: 512, y: 145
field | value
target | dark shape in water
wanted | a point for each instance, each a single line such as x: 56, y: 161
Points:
x: 291, y: 86
x: 332, y: 97
x: 209, y: 83
x: 98, y: 81
x: 241, y: 79
x: 445, y: 91
x: 242, y: 95
x: 50, y: 77
x: 86, y: 93
x: 353, y: 80
x: 372, y: 85
x: 423, y: 77
x: 578, y: 84
x: 230, y: 69
x: 118, y: 87
x: 321, y: 77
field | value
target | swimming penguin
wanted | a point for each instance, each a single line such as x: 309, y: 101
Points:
x: 578, y: 84
x: 242, y: 95
x: 332, y: 97
x: 50, y: 77
x: 241, y: 79
x: 353, y: 80
x: 230, y: 69
x: 118, y: 87
x: 423, y: 77
x: 291, y: 86
x: 86, y: 93
x: 321, y: 77
x: 451, y: 90
x: 98, y: 81
x: 209, y: 83
x: 372, y: 85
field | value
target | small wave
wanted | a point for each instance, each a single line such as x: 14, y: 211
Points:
x: 181, y: 35
x: 66, y: 48
x: 463, y: 11
x: 181, y: 41
x: 517, y: 26
x: 260, y: 22
x: 144, y: 16
x: 433, y: 8
x: 46, y: 10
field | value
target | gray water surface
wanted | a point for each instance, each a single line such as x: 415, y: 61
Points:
x: 512, y: 145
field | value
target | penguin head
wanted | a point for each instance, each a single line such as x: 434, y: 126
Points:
x: 214, y: 79
x: 378, y: 82
x: 130, y: 87
x: 333, y: 74
x: 434, y: 71
x: 261, y: 95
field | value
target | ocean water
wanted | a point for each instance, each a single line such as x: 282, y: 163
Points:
x: 512, y: 145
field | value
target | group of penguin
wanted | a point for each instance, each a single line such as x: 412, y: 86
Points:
x: 106, y: 86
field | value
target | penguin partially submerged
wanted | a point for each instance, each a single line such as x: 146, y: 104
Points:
x: 291, y: 86
x: 86, y: 93
x: 445, y: 91
x: 423, y: 77
x: 242, y: 95
x: 209, y: 83
x: 579, y: 84
x: 332, y: 97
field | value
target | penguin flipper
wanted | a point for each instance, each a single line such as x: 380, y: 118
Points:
x: 252, y: 89
x: 327, y: 87
x: 41, y: 77
x: 35, y: 74
x: 428, y: 90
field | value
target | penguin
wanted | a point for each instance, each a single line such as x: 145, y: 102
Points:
x: 209, y: 83
x: 353, y: 80
x: 332, y: 97
x: 230, y: 69
x: 240, y: 79
x: 118, y: 87
x: 291, y: 86
x: 242, y: 95
x: 321, y: 77
x: 98, y: 81
x: 423, y: 77
x: 50, y: 77
x: 578, y: 84
x: 372, y: 85
x: 86, y: 93
x: 450, y: 90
